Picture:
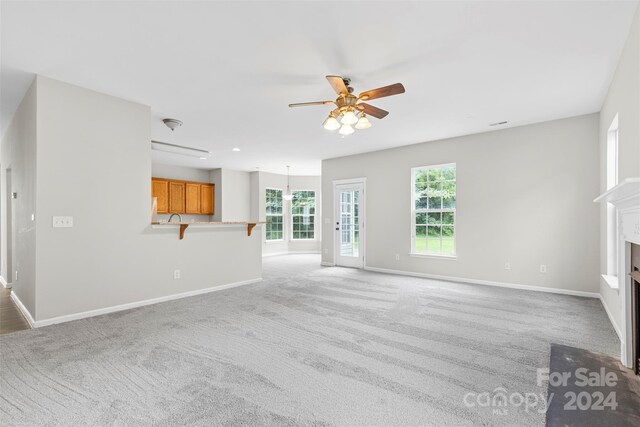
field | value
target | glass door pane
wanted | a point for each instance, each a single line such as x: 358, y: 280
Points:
x: 349, y: 234
x: 349, y: 223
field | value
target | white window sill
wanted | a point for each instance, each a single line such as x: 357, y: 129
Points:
x: 274, y: 241
x: 611, y: 281
x: 447, y: 257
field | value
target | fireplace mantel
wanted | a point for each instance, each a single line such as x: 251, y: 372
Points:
x: 624, y: 195
x: 626, y: 198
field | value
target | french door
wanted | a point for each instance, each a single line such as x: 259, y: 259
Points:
x: 349, y: 224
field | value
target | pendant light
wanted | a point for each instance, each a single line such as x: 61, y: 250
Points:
x: 288, y: 196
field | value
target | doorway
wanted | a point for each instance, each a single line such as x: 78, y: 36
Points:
x: 349, y: 204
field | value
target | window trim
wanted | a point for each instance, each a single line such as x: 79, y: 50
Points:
x: 315, y: 215
x: 611, y: 171
x: 413, y: 211
x: 282, y: 215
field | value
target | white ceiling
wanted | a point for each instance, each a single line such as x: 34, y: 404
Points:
x: 228, y: 70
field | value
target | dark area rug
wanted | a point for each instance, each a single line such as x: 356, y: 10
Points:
x: 591, y: 389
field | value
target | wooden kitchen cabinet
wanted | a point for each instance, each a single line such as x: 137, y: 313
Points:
x: 177, y: 198
x: 183, y: 197
x: 160, y: 190
x: 192, y: 198
x: 207, y: 192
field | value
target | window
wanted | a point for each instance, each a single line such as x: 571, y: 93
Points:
x: 612, y: 181
x: 303, y: 214
x: 274, y: 226
x: 433, y: 210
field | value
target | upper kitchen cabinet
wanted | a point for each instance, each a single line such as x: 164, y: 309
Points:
x: 177, y: 200
x: 183, y: 197
x: 160, y: 190
x: 192, y: 198
x: 207, y: 199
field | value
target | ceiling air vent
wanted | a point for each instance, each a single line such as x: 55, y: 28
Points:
x: 180, y: 150
x: 498, y: 123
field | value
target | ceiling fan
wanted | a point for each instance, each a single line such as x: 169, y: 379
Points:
x: 349, y: 107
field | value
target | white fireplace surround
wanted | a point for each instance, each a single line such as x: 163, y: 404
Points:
x: 626, y: 198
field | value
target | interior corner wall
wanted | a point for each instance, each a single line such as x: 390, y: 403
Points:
x: 101, y: 175
x: 254, y: 190
x: 260, y: 181
x: 623, y: 99
x: 18, y: 153
x: 236, y: 195
x: 216, y: 178
x: 524, y: 196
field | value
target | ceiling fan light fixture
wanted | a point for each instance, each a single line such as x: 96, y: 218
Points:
x: 349, y: 118
x: 331, y: 123
x: 363, y: 122
x: 346, y: 130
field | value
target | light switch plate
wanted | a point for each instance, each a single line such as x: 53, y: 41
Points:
x: 62, y: 221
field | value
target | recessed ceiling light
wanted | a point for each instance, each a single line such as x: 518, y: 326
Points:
x: 236, y: 149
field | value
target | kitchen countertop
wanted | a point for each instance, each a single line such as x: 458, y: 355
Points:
x: 209, y: 223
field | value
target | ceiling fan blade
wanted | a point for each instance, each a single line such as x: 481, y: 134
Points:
x: 337, y: 83
x: 381, y: 92
x: 376, y: 112
x: 305, y: 104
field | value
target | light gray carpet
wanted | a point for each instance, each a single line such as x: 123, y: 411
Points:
x: 319, y: 346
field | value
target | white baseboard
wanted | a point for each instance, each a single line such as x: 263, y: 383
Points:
x: 327, y: 264
x: 291, y: 253
x: 611, y: 319
x: 486, y: 282
x: 4, y: 283
x: 274, y: 254
x: 23, y: 309
x: 113, y: 309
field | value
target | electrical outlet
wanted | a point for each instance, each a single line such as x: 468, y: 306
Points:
x: 176, y: 274
x: 62, y: 221
x: 397, y: 257
x: 33, y: 217
x: 16, y: 275
x: 543, y: 268
x: 507, y: 266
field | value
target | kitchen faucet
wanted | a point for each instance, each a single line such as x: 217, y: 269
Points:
x: 179, y: 217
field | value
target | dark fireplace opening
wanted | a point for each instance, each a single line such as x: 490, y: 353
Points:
x: 635, y: 305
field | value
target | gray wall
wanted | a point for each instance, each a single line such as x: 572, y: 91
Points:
x: 216, y: 178
x: 18, y: 153
x: 236, y: 195
x: 525, y: 196
x: 100, y: 174
x: 623, y: 98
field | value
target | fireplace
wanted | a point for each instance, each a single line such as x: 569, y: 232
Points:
x: 635, y: 306
x: 626, y: 199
